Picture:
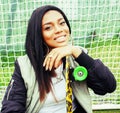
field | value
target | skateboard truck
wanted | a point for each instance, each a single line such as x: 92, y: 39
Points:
x: 77, y: 72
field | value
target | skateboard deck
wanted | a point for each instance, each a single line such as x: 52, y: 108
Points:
x: 79, y: 74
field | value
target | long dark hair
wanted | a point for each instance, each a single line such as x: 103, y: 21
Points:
x: 36, y: 48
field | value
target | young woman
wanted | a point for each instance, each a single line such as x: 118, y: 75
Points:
x: 38, y: 82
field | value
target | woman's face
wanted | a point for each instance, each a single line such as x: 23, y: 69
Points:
x: 55, y: 30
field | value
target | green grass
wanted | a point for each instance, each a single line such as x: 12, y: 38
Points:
x: 107, y: 111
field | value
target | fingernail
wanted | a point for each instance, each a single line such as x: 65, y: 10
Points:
x: 50, y: 69
x: 46, y: 68
x: 43, y: 64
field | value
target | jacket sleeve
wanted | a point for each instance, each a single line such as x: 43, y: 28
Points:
x: 15, y: 96
x: 100, y: 79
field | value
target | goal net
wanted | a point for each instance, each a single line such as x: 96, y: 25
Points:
x: 95, y: 26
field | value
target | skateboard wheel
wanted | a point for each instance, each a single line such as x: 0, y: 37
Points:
x: 80, y: 73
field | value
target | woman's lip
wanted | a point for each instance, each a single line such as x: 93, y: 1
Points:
x: 60, y: 39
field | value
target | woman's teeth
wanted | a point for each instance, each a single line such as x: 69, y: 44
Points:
x: 60, y: 39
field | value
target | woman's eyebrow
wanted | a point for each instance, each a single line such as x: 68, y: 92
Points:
x: 47, y: 23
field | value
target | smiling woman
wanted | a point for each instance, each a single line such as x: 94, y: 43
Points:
x: 38, y: 81
x: 55, y: 30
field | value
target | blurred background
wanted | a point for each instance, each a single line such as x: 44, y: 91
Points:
x: 95, y: 26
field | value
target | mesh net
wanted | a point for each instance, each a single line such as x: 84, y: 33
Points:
x: 95, y: 25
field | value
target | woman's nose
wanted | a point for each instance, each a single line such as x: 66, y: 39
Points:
x: 58, y: 29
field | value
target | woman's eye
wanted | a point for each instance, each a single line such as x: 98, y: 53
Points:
x: 48, y: 28
x: 62, y: 23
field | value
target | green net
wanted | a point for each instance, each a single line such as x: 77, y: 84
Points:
x: 95, y: 25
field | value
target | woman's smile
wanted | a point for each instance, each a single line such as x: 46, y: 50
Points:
x: 60, y: 39
x: 55, y: 30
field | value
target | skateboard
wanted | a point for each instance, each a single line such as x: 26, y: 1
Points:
x: 79, y: 74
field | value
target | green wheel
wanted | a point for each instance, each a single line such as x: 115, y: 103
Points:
x: 80, y: 73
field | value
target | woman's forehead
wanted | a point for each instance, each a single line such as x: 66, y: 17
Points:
x: 52, y: 15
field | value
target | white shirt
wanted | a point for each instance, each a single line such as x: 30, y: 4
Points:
x: 56, y: 103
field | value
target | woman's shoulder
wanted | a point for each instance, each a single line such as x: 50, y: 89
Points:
x: 24, y: 58
x: 23, y: 61
x: 27, y: 70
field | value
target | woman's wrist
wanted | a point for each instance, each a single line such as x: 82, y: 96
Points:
x: 76, y: 51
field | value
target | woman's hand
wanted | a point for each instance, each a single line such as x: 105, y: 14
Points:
x: 53, y: 59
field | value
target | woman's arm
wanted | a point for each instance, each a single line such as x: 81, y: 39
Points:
x: 15, y: 97
x: 100, y: 79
